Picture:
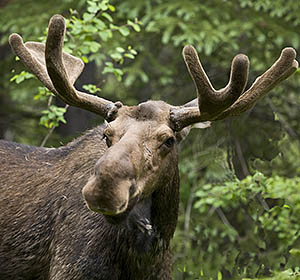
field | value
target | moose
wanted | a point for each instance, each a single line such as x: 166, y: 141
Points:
x: 105, y: 206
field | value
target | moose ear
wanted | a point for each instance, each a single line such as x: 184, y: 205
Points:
x: 182, y: 134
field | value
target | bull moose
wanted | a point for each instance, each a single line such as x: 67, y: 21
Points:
x: 105, y: 206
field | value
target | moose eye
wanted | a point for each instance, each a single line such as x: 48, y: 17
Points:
x: 170, y: 142
x: 107, y: 140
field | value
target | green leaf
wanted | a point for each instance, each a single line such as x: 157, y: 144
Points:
x: 129, y: 55
x: 99, y: 24
x: 104, y: 35
x: 62, y: 119
x: 124, y: 30
x: 144, y: 77
x: 103, y: 6
x: 84, y: 59
x: 18, y: 78
x: 120, y: 50
x: 51, y: 115
x: 107, y: 16
x: 46, y: 112
x: 129, y: 22
x: 94, y: 46
x: 109, y: 64
x: 134, y: 25
x: 111, y: 8
x: 92, y: 8
x: 107, y: 70
x: 116, y: 56
x: 90, y: 28
x: 87, y: 16
x: 118, y: 74
x: 134, y: 52
x: 295, y: 252
x: 91, y: 88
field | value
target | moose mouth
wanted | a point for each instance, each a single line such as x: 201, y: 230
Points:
x: 121, y: 217
x: 117, y: 219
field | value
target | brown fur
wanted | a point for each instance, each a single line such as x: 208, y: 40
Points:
x: 46, y: 230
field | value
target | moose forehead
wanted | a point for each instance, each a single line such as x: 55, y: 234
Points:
x: 145, y: 119
x: 148, y: 111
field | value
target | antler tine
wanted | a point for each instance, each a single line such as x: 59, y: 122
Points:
x: 59, y: 76
x: 284, y: 67
x: 209, y: 102
x: 207, y: 99
x: 32, y: 58
x: 58, y: 71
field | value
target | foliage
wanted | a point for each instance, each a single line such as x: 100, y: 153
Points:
x: 228, y: 228
x: 243, y: 228
x: 284, y: 275
x: 84, y: 38
x: 52, y: 116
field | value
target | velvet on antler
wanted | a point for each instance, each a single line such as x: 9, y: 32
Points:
x: 57, y: 70
x: 212, y: 104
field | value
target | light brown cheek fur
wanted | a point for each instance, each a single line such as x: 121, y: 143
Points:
x: 153, y: 169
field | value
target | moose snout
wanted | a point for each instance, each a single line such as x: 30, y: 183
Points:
x: 111, y: 201
x: 113, y: 185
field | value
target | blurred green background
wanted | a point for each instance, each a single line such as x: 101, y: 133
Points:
x: 240, y: 178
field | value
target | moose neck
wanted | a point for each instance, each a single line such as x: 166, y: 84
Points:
x: 165, y: 204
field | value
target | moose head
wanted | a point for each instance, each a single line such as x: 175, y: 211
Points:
x: 141, y: 140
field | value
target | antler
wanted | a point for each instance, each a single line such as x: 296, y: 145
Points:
x: 58, y: 70
x: 229, y: 101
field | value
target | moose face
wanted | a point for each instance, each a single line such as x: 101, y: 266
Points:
x: 140, y: 158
